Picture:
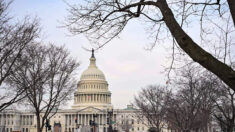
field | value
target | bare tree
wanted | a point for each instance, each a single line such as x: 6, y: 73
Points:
x: 104, y: 20
x: 151, y: 102
x: 225, y: 108
x: 125, y: 124
x: 46, y: 75
x: 13, y: 40
x: 192, y: 106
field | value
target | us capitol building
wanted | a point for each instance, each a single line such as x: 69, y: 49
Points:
x: 92, y: 101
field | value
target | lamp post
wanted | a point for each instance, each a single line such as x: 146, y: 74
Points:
x: 109, y: 120
x: 95, y: 116
x: 76, y: 122
x: 93, y: 124
x: 48, y: 125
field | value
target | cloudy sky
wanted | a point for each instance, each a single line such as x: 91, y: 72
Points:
x: 128, y: 67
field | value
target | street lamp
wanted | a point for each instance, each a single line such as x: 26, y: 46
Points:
x: 93, y: 124
x: 109, y: 120
x: 77, y: 123
x: 48, y: 125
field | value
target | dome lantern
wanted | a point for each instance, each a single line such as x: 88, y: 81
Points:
x: 92, y: 60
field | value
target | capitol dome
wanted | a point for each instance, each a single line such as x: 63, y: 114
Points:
x: 92, y: 73
x: 92, y: 88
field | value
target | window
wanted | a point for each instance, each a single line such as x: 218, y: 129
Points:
x: 132, y: 121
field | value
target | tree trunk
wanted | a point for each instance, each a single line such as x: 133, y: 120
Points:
x: 38, y: 123
x: 223, y: 71
x: 230, y: 129
x: 231, y: 4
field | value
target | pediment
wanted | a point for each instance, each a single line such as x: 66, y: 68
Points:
x: 91, y: 109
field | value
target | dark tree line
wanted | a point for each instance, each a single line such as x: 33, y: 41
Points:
x: 152, y: 104
x: 196, y: 99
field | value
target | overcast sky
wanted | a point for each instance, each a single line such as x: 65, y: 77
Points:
x: 128, y: 67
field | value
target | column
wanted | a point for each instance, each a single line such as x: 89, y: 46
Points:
x: 65, y: 120
x: 103, y: 119
x: 109, y: 98
x: 9, y: 119
x: 89, y: 118
x: 1, y: 119
x: 83, y: 98
x: 81, y: 118
x: 70, y: 120
x: 101, y: 98
x: 106, y: 99
x: 85, y: 119
x: 78, y: 98
x: 98, y: 119
x: 73, y: 119
x: 25, y: 120
x: 94, y: 97
x: 98, y: 98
